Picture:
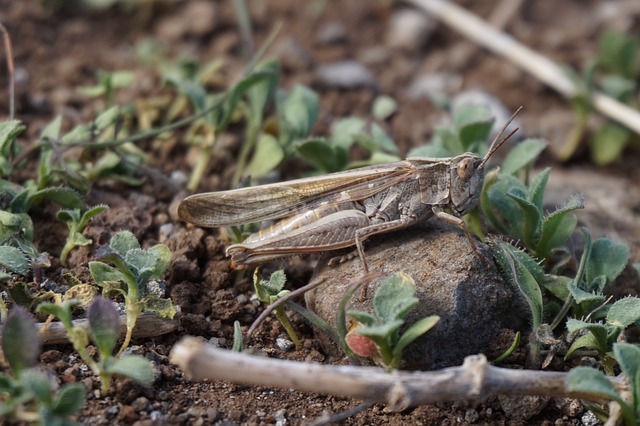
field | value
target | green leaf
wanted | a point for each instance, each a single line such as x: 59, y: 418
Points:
x: 103, y: 273
x: 416, y: 330
x: 160, y: 307
x: 135, y: 367
x: 298, y: 111
x: 364, y: 318
x: 583, y: 296
x: 20, y: 341
x: 141, y: 262
x: 522, y: 271
x: 608, y: 258
x: 556, y: 229
x: 69, y: 400
x: 344, y: 131
x: 628, y: 357
x: 267, y: 156
x: 384, y: 107
x: 107, y: 118
x: 608, y: 142
x: 537, y: 187
x: 590, y: 380
x: 382, y: 141
x: 504, y: 213
x: 14, y: 260
x: 66, y: 197
x: 531, y: 219
x: 9, y: 131
x: 38, y: 383
x: 124, y: 241
x: 52, y: 130
x: 324, y: 157
x: 380, y: 332
x: 624, y: 312
x: 522, y: 155
x: 595, y: 339
x: 394, y: 299
x: 260, y: 94
x: 237, y: 337
x: 163, y: 260
x: 104, y: 325
x: 449, y: 140
x: 62, y: 312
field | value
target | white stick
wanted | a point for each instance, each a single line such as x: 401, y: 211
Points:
x: 475, y: 380
x: 534, y: 63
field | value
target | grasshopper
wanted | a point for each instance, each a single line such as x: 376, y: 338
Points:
x: 343, y: 209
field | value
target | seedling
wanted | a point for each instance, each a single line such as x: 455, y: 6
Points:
x: 104, y: 331
x: 133, y: 269
x: 76, y: 222
x: 383, y: 343
x: 270, y: 291
x: 28, y: 395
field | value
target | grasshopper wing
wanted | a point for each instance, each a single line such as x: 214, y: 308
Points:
x: 273, y: 201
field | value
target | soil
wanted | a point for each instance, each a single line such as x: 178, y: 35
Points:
x: 60, y: 46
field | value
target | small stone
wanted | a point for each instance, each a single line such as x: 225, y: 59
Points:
x: 590, y: 419
x: 348, y: 74
x: 166, y: 231
x: 570, y: 406
x: 471, y: 415
x: 331, y: 33
x: 522, y: 407
x: 156, y: 416
x: 140, y: 404
x: 409, y: 29
x: 157, y: 288
x: 179, y: 177
x: 284, y: 344
x: 292, y: 54
x: 281, y: 417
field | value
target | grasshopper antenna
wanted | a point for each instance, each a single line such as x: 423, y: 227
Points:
x: 497, y: 142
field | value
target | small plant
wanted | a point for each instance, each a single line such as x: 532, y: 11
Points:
x: 29, y: 395
x: 133, y: 270
x: 592, y: 381
x: 517, y: 211
x: 104, y: 331
x: 76, y: 222
x: 270, y: 291
x: 382, y: 341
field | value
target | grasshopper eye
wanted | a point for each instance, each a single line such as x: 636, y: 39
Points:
x: 465, y: 169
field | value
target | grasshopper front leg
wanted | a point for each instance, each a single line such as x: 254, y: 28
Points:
x: 455, y: 220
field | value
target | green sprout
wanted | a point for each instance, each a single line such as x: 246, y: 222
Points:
x: 133, y: 270
x: 268, y: 291
x: 76, y: 222
x: 104, y: 331
x: 28, y: 394
x: 392, y: 302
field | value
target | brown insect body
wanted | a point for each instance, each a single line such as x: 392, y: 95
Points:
x: 343, y: 209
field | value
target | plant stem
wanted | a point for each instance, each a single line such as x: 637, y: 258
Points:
x: 282, y: 317
x: 203, y: 162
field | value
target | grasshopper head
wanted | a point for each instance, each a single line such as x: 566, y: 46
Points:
x: 467, y: 177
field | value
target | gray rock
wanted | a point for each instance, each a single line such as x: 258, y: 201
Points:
x: 522, y: 407
x: 468, y: 294
x: 409, y: 29
x: 347, y: 74
x: 331, y: 33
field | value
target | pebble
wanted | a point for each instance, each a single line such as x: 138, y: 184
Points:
x: 291, y: 54
x: 348, y: 74
x: 471, y: 415
x: 409, y: 29
x: 331, y: 33
x: 196, y: 18
x: 179, y: 177
x: 589, y: 419
x: 166, y: 231
x: 284, y: 344
x: 140, y: 404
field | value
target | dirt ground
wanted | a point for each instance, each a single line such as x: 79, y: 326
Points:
x: 58, y: 48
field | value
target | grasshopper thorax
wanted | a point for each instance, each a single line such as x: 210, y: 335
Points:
x: 467, y: 176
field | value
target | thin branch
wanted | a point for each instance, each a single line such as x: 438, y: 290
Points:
x: 8, y: 48
x: 475, y: 380
x: 534, y: 63
x: 148, y: 325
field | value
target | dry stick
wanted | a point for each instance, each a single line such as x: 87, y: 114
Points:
x: 10, y: 69
x: 475, y: 380
x: 534, y: 63
x: 148, y: 325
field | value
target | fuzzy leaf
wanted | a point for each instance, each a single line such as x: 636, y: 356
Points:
x: 66, y: 197
x: 298, y: 111
x: 416, y: 330
x: 394, y: 299
x: 69, y: 400
x: 324, y: 157
x: 364, y: 318
x: 38, y: 383
x: 20, y: 342
x: 14, y: 260
x: 162, y: 308
x: 163, y: 260
x: 503, y: 211
x: 104, y: 325
x: 524, y: 273
x: 522, y: 155
x: 103, y: 273
x: 556, y: 229
x: 595, y: 339
x: 624, y: 312
x: 531, y: 218
x: 590, y: 380
x: 628, y: 357
x: 382, y: 141
x: 344, y: 131
x: 124, y: 241
x: 608, y: 142
x: 608, y: 259
x: 383, y: 107
x: 135, y: 367
x: 380, y: 332
x: 267, y: 156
